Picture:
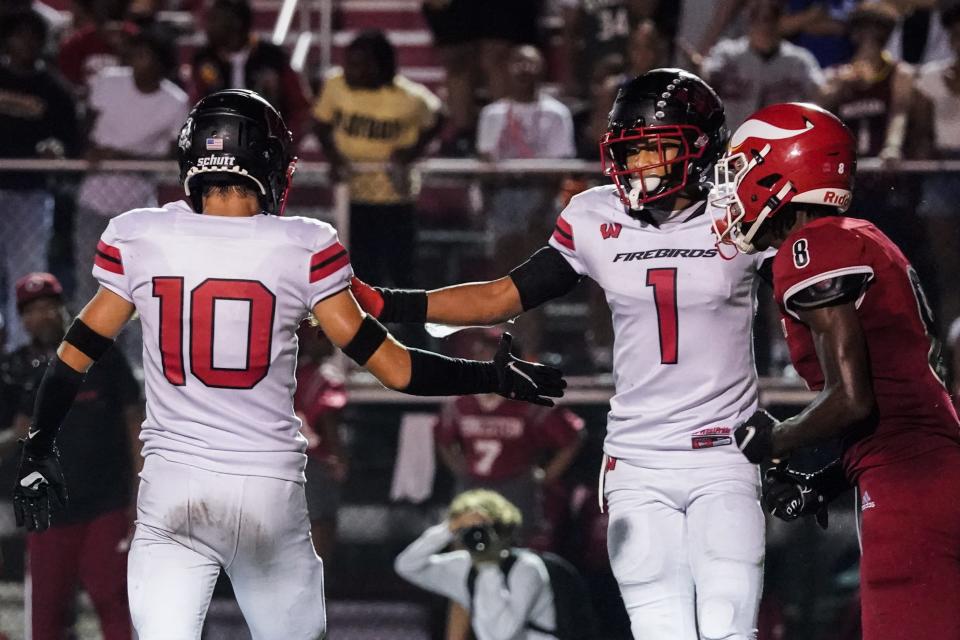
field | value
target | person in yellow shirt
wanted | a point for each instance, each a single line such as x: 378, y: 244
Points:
x: 368, y: 113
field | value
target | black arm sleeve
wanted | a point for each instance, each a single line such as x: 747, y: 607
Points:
x: 56, y: 393
x: 830, y: 292
x: 544, y: 276
x: 432, y: 374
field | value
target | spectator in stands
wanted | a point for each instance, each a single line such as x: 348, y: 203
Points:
x: 37, y: 120
x: 821, y: 28
x: 319, y: 400
x: 118, y: 100
x: 97, y: 43
x: 488, y: 442
x: 919, y: 36
x: 874, y: 95
x: 235, y: 58
x: 591, y: 32
x: 701, y: 24
x: 594, y: 30
x: 527, y: 123
x: 88, y: 539
x: 940, y: 83
x: 57, y: 21
x: 876, y: 98
x: 474, y: 40
x: 760, y: 68
x: 369, y: 113
x: 503, y: 600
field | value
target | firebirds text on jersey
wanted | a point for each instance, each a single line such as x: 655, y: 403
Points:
x: 664, y: 253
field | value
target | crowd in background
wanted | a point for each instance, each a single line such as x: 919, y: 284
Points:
x: 529, y: 79
x: 524, y: 79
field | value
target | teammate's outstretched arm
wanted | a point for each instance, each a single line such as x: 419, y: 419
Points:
x: 424, y: 373
x: 847, y: 398
x: 544, y: 276
x: 40, y: 481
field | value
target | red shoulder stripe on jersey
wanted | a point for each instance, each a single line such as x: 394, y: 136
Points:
x: 108, y: 258
x: 563, y: 234
x: 328, y: 261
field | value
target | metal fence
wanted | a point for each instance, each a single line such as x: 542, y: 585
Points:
x: 467, y: 228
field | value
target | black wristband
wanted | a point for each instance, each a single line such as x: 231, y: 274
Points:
x: 57, y: 390
x: 403, y: 305
x: 367, y: 340
x: 89, y: 342
x: 544, y: 276
x: 432, y: 374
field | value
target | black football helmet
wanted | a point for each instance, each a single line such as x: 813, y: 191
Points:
x: 236, y: 133
x: 662, y: 110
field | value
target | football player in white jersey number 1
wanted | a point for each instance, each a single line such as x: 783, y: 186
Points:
x: 221, y: 296
x: 686, y: 534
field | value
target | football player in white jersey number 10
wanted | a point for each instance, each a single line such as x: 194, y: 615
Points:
x: 221, y: 296
x: 686, y: 534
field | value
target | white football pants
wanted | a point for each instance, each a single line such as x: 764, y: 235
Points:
x: 191, y: 522
x: 686, y: 547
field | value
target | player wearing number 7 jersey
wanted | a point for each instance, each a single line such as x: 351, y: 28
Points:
x: 686, y: 534
x: 221, y: 296
x: 860, y: 332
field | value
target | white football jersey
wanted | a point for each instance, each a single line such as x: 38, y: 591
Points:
x: 683, y: 363
x: 220, y: 300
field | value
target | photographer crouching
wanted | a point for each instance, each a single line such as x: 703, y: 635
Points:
x: 508, y: 591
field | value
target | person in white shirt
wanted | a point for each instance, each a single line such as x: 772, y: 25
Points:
x: 527, y: 123
x: 502, y: 607
x: 686, y: 533
x: 761, y: 68
x: 138, y: 112
x: 221, y: 295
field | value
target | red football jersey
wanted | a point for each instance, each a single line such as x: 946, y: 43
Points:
x: 916, y: 414
x: 503, y: 439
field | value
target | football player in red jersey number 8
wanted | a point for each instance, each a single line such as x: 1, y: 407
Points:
x: 860, y: 332
x: 221, y: 296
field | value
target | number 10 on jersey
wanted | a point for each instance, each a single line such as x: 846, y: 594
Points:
x: 202, y: 312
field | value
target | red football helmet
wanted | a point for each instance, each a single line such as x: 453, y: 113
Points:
x: 783, y: 153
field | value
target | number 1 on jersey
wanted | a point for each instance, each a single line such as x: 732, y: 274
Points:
x: 664, y: 283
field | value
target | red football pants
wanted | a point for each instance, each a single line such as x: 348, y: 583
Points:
x: 910, y: 568
x: 90, y: 553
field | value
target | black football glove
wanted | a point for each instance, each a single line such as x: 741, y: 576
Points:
x: 40, y: 488
x: 527, y: 381
x: 789, y: 494
x: 755, y: 436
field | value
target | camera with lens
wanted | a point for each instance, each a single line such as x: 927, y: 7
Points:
x: 478, y: 538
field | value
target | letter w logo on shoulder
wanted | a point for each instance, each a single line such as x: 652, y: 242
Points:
x: 611, y: 230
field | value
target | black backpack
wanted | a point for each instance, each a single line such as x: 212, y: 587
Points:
x: 571, y: 600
